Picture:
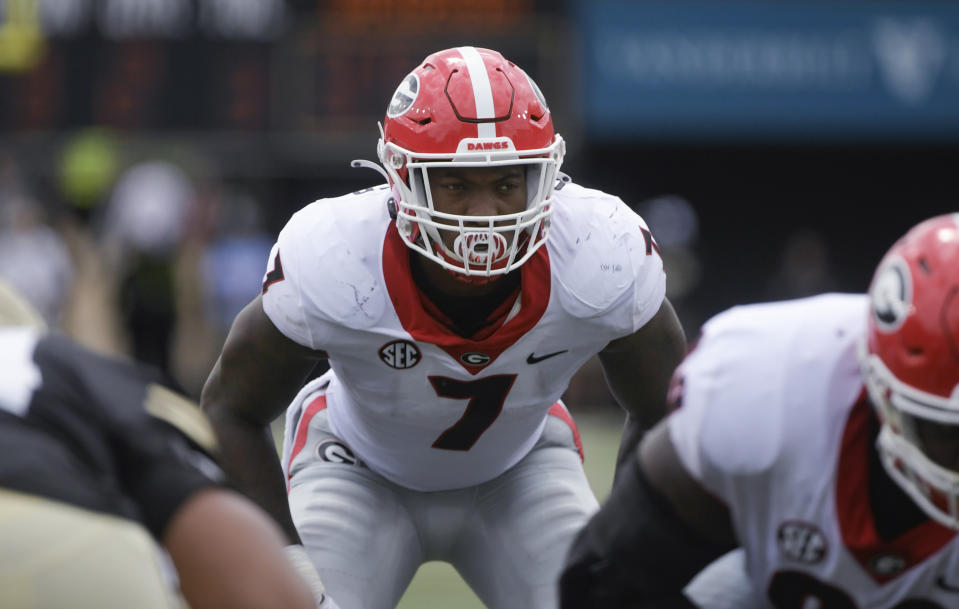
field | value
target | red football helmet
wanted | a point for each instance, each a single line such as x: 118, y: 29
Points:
x: 910, y: 361
x: 470, y: 107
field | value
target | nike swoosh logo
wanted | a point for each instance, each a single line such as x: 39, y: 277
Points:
x: 532, y: 359
x: 942, y: 583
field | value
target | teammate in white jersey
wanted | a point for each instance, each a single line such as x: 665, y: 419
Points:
x: 821, y: 435
x: 453, y: 304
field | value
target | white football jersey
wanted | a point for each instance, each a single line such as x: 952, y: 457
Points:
x: 419, y: 404
x: 775, y: 423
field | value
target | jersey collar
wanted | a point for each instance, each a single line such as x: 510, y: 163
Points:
x: 856, y: 519
x: 485, y: 346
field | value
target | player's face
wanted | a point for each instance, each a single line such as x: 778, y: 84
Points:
x: 478, y: 191
x: 940, y: 442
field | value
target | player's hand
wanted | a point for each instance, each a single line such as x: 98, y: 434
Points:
x: 590, y: 581
x: 327, y: 603
x: 301, y: 562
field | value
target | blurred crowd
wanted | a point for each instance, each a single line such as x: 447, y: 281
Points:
x: 150, y: 248
x: 152, y: 257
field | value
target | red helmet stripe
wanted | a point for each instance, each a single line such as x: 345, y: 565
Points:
x: 482, y: 91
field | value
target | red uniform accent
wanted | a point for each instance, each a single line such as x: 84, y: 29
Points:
x: 318, y: 404
x: 855, y: 514
x: 559, y: 411
x: 444, y: 111
x: 425, y: 328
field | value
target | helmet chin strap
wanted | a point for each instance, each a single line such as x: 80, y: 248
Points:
x: 472, y: 279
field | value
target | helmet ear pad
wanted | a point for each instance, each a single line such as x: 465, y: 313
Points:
x: 910, y: 362
x: 470, y: 107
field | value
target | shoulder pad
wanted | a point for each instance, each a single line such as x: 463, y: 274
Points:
x: 775, y: 367
x: 604, y: 257
x: 330, y: 253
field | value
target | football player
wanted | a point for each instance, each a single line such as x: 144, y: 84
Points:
x: 819, y: 435
x: 453, y: 304
x: 100, y: 463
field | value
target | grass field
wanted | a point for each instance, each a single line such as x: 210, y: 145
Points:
x: 438, y: 586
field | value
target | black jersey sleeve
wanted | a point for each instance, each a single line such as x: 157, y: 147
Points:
x: 153, y: 444
x: 634, y: 552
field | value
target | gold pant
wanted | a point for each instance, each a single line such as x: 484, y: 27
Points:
x: 56, y: 556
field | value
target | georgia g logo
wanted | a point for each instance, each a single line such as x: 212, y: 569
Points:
x: 475, y: 358
x: 404, y: 96
x: 334, y: 451
x: 891, y: 295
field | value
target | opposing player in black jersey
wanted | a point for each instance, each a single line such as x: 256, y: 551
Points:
x: 99, y: 461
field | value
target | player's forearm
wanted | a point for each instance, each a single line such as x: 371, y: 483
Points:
x: 635, y: 551
x: 229, y: 555
x: 632, y: 434
x: 248, y: 453
x: 638, y: 368
x: 249, y: 457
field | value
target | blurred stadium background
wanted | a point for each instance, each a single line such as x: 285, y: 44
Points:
x: 150, y: 150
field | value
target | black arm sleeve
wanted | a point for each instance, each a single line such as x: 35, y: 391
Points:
x: 98, y: 407
x: 161, y: 472
x: 634, y: 552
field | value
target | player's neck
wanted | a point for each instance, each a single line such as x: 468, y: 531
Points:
x: 468, y: 306
x: 434, y: 280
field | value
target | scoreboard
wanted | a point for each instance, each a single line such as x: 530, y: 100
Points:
x: 238, y: 66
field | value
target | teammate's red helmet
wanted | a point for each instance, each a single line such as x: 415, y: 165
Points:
x: 910, y: 361
x: 470, y: 107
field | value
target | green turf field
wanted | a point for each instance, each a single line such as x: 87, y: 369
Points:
x: 438, y: 586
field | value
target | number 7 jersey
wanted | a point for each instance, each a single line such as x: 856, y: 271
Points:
x: 419, y: 404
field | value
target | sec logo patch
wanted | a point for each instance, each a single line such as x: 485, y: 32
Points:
x: 801, y: 541
x: 400, y: 354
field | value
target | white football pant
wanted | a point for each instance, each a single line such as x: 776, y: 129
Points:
x: 508, y: 538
